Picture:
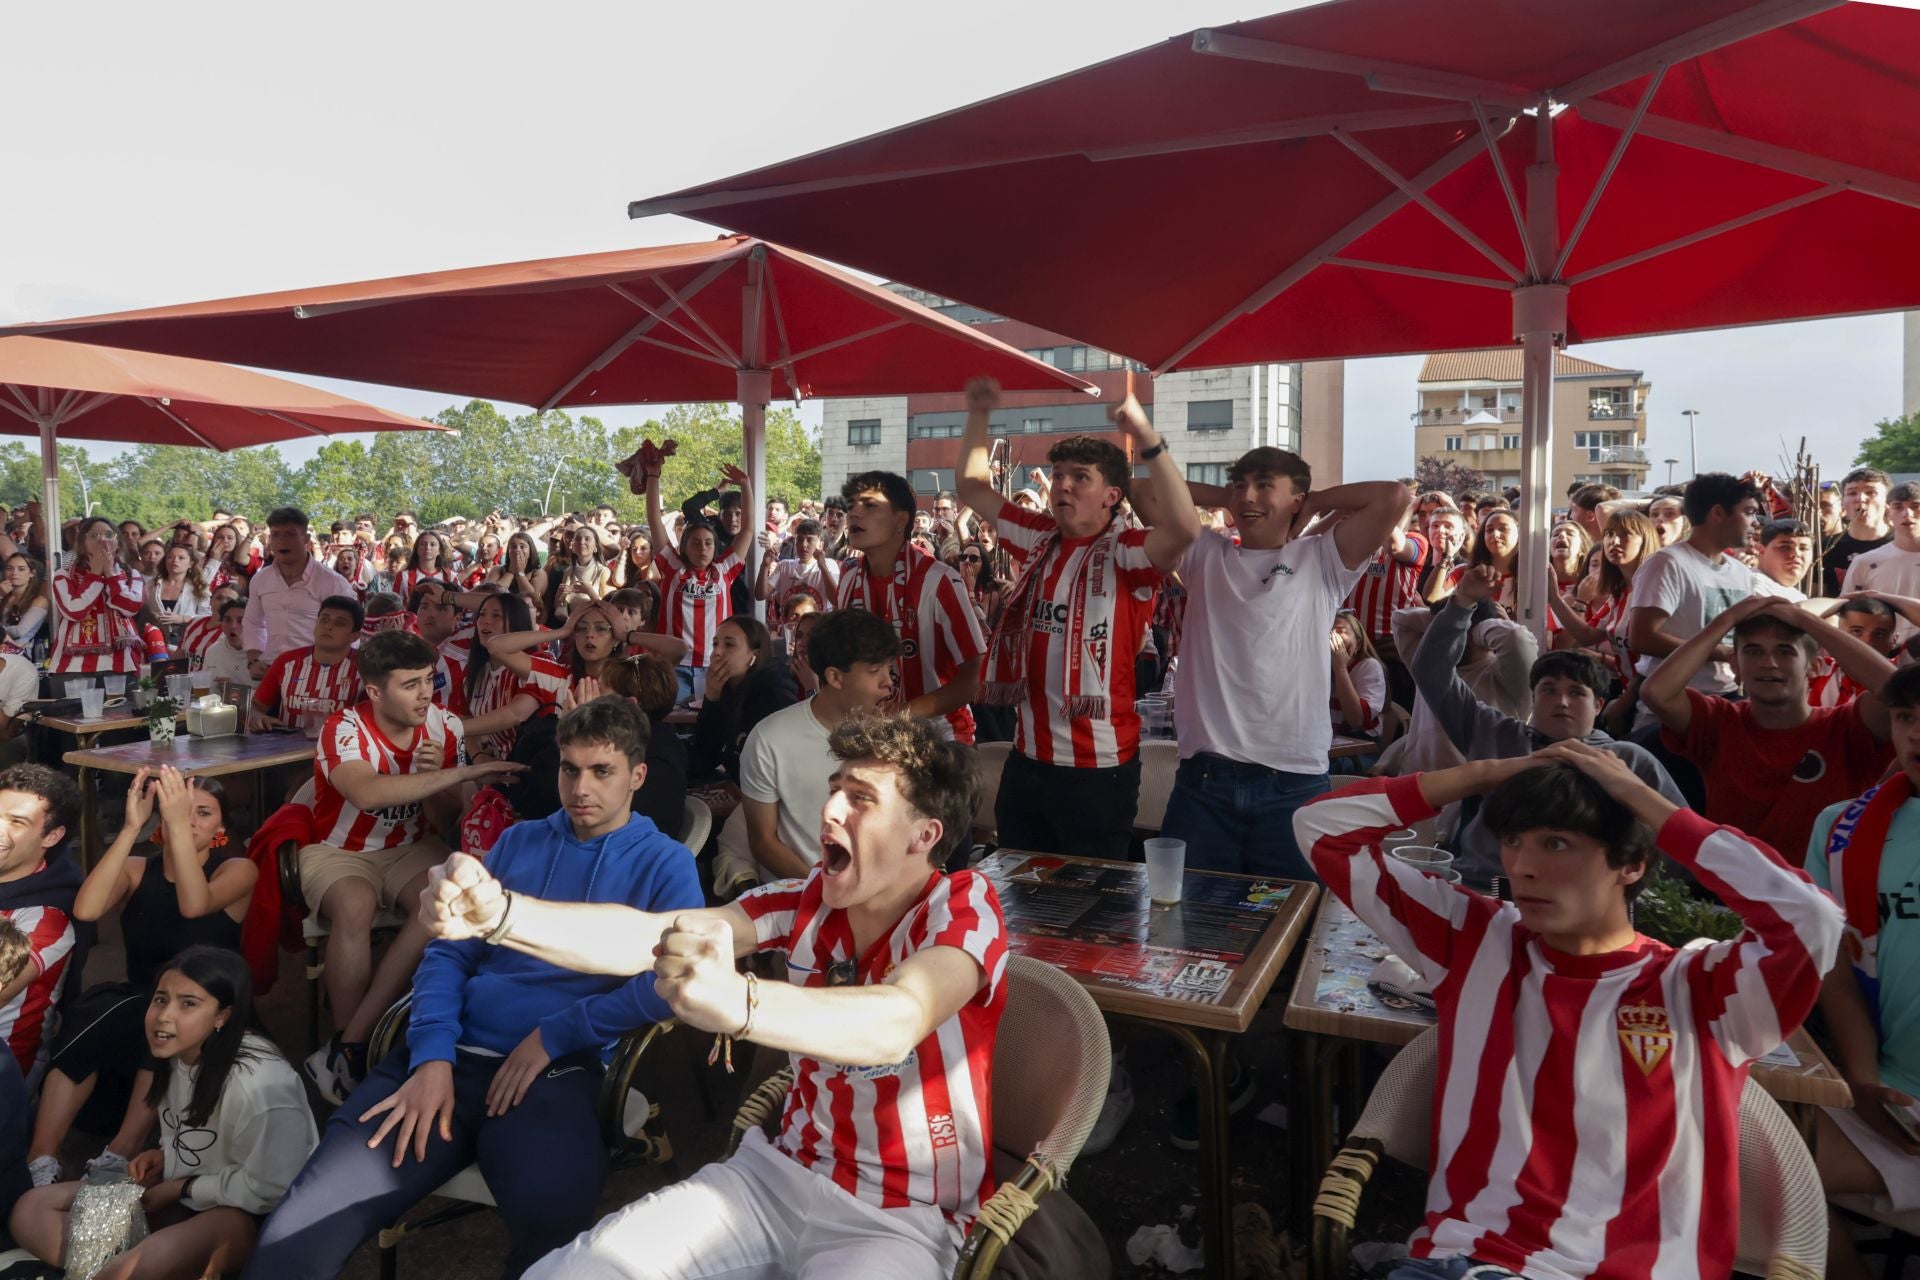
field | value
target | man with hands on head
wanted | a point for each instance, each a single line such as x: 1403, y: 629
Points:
x: 894, y: 992
x: 1586, y: 1105
x: 503, y: 1057
x: 1772, y: 762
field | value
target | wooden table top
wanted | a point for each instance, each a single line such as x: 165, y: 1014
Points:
x: 206, y: 757
x: 1207, y: 961
x: 1345, y: 748
x: 1331, y: 997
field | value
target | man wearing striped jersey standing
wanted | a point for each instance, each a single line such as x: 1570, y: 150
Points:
x: 1072, y: 626
x: 1587, y: 1092
x: 894, y: 991
x: 379, y: 764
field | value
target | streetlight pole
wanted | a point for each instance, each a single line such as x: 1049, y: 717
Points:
x: 1693, y: 441
x: 1670, y: 462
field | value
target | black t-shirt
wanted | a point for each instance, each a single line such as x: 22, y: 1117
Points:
x: 663, y: 796
x: 1841, y: 554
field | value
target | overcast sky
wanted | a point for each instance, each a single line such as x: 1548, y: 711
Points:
x: 163, y: 153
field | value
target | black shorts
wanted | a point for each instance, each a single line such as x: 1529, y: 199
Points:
x: 104, y: 1036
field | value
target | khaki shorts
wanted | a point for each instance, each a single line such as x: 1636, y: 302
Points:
x: 387, y: 871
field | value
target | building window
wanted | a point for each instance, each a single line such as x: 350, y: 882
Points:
x: 1452, y: 444
x: 1596, y: 442
x: 1207, y: 472
x: 931, y: 480
x: 1210, y: 415
x: 1610, y: 402
x: 863, y: 431
x: 1035, y: 426
x: 922, y: 429
x: 1509, y: 442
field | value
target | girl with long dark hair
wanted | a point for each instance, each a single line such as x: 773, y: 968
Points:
x: 745, y: 685
x: 499, y: 698
x: 430, y: 559
x: 234, y: 1129
x: 193, y: 890
x: 23, y: 614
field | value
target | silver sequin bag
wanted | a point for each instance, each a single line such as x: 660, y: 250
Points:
x: 106, y: 1220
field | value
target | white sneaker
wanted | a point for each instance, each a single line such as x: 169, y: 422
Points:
x: 45, y: 1171
x: 320, y: 1069
x: 108, y: 1164
x: 1114, y: 1113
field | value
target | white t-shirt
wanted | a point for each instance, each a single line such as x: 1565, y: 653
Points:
x: 1765, y: 586
x: 786, y: 762
x: 223, y: 661
x: 19, y: 683
x: 1887, y: 569
x: 1254, y: 680
x: 1693, y: 591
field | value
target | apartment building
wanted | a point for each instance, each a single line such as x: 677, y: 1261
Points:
x: 1469, y: 412
x: 1210, y: 416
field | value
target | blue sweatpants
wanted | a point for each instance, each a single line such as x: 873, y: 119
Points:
x: 544, y: 1161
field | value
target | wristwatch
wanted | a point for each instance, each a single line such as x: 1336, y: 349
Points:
x: 1148, y: 455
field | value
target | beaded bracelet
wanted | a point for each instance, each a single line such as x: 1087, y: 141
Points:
x: 723, y: 1043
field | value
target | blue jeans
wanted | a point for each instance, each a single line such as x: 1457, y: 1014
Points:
x: 1238, y: 817
x: 544, y: 1161
x: 693, y: 683
x: 1449, y: 1269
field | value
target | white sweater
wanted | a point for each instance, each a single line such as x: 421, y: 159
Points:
x: 258, y: 1136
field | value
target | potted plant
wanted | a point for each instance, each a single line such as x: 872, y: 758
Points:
x: 161, y: 718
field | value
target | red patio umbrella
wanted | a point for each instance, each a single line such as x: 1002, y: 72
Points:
x: 84, y: 392
x: 1385, y: 176
x: 728, y: 319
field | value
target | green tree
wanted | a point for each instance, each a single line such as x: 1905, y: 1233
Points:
x: 710, y: 436
x: 1895, y: 448
x: 1447, y: 476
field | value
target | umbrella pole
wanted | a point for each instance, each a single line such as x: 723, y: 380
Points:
x: 755, y: 387
x: 50, y: 493
x: 1540, y: 323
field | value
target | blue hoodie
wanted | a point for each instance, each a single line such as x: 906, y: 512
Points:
x: 491, y: 997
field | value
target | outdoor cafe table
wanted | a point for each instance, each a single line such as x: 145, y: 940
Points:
x: 255, y: 753
x: 1331, y: 998
x: 86, y: 731
x: 1197, y: 970
x: 1345, y: 748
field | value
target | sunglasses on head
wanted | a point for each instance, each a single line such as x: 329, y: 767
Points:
x: 970, y: 559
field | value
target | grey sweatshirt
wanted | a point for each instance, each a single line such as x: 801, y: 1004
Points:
x: 1482, y: 732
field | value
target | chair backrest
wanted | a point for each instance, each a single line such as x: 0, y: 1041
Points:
x: 696, y: 822
x: 1783, y: 1210
x: 989, y: 758
x: 1051, y: 1060
x: 1399, y: 1111
x: 1158, y: 761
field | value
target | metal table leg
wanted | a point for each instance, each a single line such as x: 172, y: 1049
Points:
x: 1208, y: 1052
x: 89, y: 820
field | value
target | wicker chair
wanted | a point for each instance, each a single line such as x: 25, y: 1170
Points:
x: 1158, y: 762
x: 629, y: 1122
x: 696, y: 824
x: 314, y: 931
x: 1783, y: 1220
x: 1051, y: 1060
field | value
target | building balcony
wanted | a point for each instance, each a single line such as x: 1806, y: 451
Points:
x: 1455, y: 417
x: 1620, y: 456
x: 1597, y: 412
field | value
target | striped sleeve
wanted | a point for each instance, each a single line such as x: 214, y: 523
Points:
x: 773, y: 909
x: 964, y: 912
x: 728, y: 567
x: 267, y: 698
x: 1021, y: 530
x: 1137, y: 573
x: 1752, y: 991
x: 48, y: 937
x: 126, y: 592
x: 961, y: 640
x: 341, y: 743
x: 1418, y: 916
x: 546, y: 680
x: 75, y: 592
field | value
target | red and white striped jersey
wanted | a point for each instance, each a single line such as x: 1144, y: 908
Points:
x: 547, y: 683
x: 407, y: 581
x: 450, y: 685
x: 297, y: 684
x: 1046, y: 733
x: 926, y: 601
x: 199, y: 636
x: 355, y: 734
x: 1586, y: 1108
x: 916, y: 1132
x: 695, y: 602
x: 1387, y: 584
x: 93, y: 621
x: 802, y: 577
x: 23, y: 1019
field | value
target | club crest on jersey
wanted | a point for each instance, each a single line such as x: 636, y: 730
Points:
x: 1646, y: 1033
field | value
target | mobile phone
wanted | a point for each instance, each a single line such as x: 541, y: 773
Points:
x: 1903, y: 1116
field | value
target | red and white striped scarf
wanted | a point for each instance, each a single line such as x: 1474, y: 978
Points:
x: 1087, y: 638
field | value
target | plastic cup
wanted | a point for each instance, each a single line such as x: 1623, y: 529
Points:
x: 1448, y: 874
x: 116, y: 685
x: 76, y: 685
x: 180, y: 689
x: 1166, y: 867
x: 202, y: 682
x: 93, y: 703
x: 1399, y: 839
x: 1420, y: 857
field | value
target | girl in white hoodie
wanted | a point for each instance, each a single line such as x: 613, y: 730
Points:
x: 234, y: 1130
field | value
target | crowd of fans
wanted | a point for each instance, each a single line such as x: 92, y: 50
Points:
x: 1709, y: 707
